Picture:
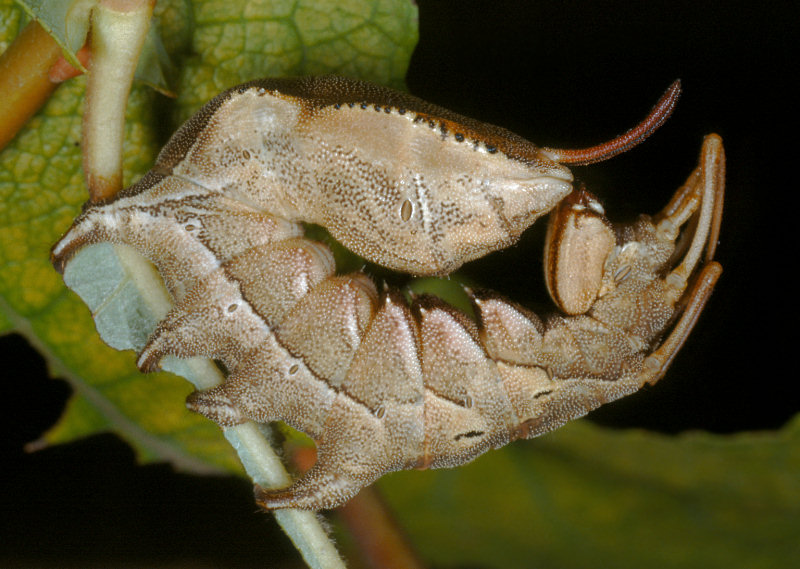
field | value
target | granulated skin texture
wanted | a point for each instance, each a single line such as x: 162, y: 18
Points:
x: 379, y: 384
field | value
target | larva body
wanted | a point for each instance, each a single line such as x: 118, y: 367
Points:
x: 378, y: 384
x: 406, y: 184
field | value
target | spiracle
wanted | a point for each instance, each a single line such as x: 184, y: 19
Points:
x: 379, y: 383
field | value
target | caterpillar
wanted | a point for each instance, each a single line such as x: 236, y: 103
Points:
x: 380, y: 383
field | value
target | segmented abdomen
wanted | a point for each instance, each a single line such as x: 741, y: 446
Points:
x: 332, y: 357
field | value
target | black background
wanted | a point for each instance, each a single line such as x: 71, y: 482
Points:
x: 562, y: 74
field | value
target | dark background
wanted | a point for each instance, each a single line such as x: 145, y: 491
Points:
x: 563, y: 74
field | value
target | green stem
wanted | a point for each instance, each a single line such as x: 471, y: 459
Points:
x: 118, y: 30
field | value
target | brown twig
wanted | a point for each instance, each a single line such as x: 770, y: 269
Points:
x: 25, y: 84
x: 380, y: 540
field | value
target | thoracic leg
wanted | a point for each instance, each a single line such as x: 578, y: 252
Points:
x: 705, y: 190
x: 707, y: 186
x: 659, y: 361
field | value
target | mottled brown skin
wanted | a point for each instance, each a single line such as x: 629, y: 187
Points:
x: 378, y: 384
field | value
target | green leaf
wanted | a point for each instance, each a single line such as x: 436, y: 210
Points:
x: 586, y: 497
x: 366, y: 39
x: 11, y: 21
x: 42, y: 189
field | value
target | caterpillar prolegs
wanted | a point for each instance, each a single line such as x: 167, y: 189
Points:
x: 381, y: 384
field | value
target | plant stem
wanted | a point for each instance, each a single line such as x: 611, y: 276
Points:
x: 24, y: 81
x: 380, y: 540
x: 118, y: 30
